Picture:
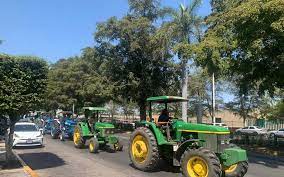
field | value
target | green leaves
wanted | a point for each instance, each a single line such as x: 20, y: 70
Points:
x: 246, y: 36
x: 78, y: 81
x: 23, y: 83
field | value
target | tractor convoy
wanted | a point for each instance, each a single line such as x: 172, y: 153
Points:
x: 200, y: 150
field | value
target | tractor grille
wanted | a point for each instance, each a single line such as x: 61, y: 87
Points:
x: 214, y: 142
x: 223, y: 142
x: 108, y: 131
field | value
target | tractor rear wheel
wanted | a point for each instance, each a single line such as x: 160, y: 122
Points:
x: 94, y: 145
x: 54, y: 134
x: 200, y: 162
x: 61, y: 136
x: 143, y: 149
x: 78, y: 138
x: 237, y: 170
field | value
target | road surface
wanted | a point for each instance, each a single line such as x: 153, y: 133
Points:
x: 58, y: 159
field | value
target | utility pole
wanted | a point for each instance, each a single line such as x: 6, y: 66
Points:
x: 213, y: 99
x: 73, y: 109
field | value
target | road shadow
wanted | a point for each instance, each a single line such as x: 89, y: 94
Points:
x: 162, y: 167
x: 28, y: 147
x: 267, y: 161
x: 42, y: 160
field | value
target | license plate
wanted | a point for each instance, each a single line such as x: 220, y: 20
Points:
x: 29, y: 141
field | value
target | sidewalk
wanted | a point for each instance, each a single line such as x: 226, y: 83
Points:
x: 16, y: 170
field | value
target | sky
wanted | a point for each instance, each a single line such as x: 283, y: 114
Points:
x: 55, y: 29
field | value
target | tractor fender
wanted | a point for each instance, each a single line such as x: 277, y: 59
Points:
x: 156, y: 131
x: 85, y: 128
x: 181, y: 148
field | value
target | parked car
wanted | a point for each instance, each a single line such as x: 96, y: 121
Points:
x: 277, y: 133
x: 27, y: 134
x: 255, y: 130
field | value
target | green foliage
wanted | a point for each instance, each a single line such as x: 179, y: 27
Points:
x: 245, y: 39
x: 78, y: 81
x: 23, y: 83
x: 277, y: 111
x: 138, y: 57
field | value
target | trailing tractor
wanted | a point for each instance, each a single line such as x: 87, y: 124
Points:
x: 94, y: 132
x: 63, y: 127
x: 200, y: 150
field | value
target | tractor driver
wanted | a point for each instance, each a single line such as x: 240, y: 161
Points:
x: 164, y: 116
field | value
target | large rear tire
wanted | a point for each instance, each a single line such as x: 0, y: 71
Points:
x: 237, y: 170
x: 54, y: 134
x: 200, y: 162
x: 78, y: 138
x: 143, y: 149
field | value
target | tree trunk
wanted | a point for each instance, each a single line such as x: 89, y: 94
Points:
x: 184, y: 85
x: 142, y: 106
x: 199, y: 111
x: 9, y: 144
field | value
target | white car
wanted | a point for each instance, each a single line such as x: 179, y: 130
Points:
x: 251, y: 130
x: 277, y: 133
x: 27, y: 134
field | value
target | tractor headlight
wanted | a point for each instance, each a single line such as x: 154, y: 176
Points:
x: 109, y: 131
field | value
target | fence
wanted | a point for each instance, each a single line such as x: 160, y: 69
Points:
x: 270, y: 124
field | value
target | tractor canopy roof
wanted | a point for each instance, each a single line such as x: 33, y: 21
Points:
x: 166, y: 99
x: 95, y: 108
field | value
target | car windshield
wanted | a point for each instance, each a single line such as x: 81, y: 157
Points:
x: 25, y: 128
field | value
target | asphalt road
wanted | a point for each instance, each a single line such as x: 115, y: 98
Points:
x: 58, y: 159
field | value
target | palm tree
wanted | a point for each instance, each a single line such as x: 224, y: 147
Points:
x: 185, y: 26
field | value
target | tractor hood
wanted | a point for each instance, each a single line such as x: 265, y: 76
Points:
x: 199, y: 128
x: 103, y: 125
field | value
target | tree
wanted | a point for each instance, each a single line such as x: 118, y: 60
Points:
x: 184, y: 26
x: 139, y: 60
x: 23, y: 83
x: 247, y: 42
x: 78, y: 81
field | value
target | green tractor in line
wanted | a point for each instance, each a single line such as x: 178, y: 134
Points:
x: 201, y: 150
x: 92, y: 131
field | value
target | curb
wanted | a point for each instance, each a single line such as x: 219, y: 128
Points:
x: 26, y: 168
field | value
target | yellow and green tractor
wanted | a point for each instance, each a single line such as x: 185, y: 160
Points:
x: 94, y: 132
x: 200, y: 150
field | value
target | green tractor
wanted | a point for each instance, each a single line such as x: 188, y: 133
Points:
x: 201, y: 150
x: 92, y: 131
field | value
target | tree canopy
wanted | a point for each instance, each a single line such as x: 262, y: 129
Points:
x: 23, y: 81
x: 245, y: 38
x: 139, y: 59
x: 78, y: 81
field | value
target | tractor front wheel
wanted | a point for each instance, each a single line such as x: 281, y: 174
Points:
x: 143, y: 149
x: 54, y: 134
x: 78, y: 138
x: 118, y: 146
x: 237, y: 170
x: 200, y: 162
x: 94, y: 145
